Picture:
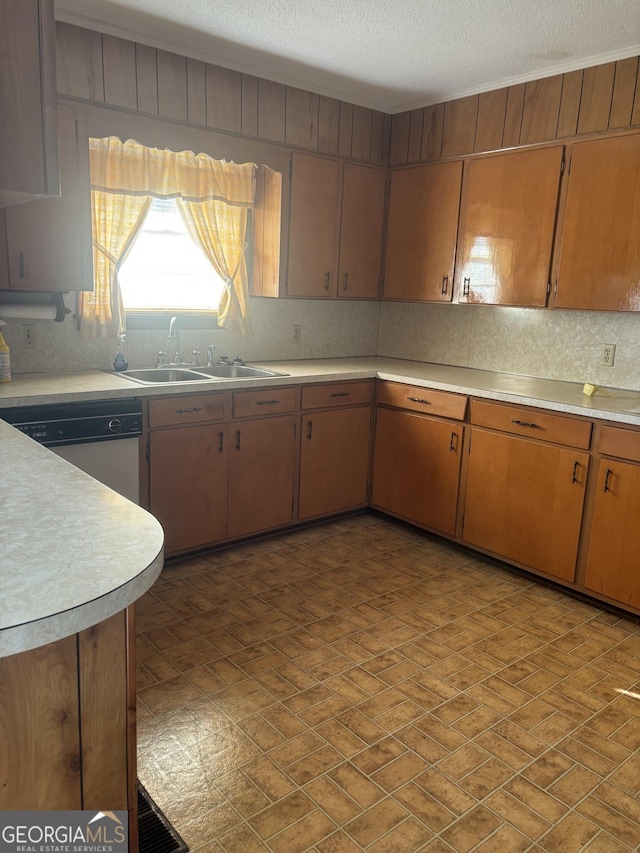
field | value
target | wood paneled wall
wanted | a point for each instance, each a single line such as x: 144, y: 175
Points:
x: 601, y: 98
x: 104, y: 69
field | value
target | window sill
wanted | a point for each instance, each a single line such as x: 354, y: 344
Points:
x: 160, y: 320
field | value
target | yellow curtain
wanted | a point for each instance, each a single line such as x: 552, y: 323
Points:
x: 116, y: 221
x: 216, y: 195
x: 221, y: 231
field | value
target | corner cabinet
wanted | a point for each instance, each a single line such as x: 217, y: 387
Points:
x: 49, y: 239
x: 336, y: 230
x: 421, y: 237
x: 335, y: 447
x: 28, y: 140
x: 507, y: 223
x: 599, y: 260
x: 525, y: 488
x: 418, y: 451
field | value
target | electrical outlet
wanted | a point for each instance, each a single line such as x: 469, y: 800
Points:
x: 29, y: 336
x: 297, y: 334
x: 607, y: 355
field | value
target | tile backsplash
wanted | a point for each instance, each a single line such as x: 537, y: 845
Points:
x: 561, y: 345
x: 328, y: 329
x: 550, y: 344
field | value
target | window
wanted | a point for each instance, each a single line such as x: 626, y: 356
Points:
x: 166, y: 270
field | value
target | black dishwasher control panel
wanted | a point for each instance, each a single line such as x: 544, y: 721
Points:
x: 77, y: 423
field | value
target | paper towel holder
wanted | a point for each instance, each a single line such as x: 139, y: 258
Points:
x: 33, y: 306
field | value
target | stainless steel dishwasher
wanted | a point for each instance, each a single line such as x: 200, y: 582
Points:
x: 99, y: 437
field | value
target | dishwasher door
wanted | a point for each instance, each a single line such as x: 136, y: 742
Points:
x: 113, y: 462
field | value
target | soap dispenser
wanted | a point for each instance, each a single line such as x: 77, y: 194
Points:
x: 120, y: 361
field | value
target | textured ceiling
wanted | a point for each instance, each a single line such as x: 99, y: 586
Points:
x: 390, y: 55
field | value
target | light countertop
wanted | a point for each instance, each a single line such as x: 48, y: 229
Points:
x: 73, y: 551
x: 68, y: 386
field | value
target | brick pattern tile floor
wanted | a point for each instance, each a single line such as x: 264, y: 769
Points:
x: 359, y: 685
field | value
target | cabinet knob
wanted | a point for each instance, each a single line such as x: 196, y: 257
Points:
x: 445, y: 284
x: 327, y: 279
x: 466, y: 286
x: 345, y: 286
x: 607, y: 477
x: 21, y: 272
x: 309, y: 430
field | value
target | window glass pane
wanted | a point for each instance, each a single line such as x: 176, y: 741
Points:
x: 165, y: 269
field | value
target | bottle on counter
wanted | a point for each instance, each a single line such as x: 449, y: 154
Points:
x: 5, y: 357
x: 120, y: 362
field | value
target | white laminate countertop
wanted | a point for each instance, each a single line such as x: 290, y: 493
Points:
x: 68, y: 386
x: 72, y: 552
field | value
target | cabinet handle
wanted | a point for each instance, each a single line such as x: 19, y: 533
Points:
x: 238, y: 439
x: 445, y: 283
x: 453, y: 444
x: 346, y: 281
x: 418, y: 400
x: 220, y: 442
x: 574, y: 478
x: 341, y: 394
x: 466, y: 286
x: 327, y: 278
x: 190, y: 411
x: 267, y: 402
x: 529, y: 424
x: 21, y: 273
x: 607, y: 475
x: 309, y: 430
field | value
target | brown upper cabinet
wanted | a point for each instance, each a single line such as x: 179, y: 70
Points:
x: 49, y: 239
x: 28, y: 138
x: 421, y: 236
x: 335, y: 236
x: 599, y: 260
x: 507, y: 221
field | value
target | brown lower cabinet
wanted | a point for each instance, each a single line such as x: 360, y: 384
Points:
x: 416, y: 468
x: 334, y: 461
x: 188, y: 475
x: 261, y: 462
x: 612, y: 567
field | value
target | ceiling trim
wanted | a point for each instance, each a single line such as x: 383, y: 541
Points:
x: 97, y: 25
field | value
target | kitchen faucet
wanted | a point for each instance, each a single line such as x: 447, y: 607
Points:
x: 174, y: 335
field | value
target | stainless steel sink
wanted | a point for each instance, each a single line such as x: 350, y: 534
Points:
x: 236, y: 371
x: 163, y: 375
x: 171, y: 375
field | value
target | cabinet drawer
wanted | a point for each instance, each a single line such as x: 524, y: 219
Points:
x: 266, y: 402
x: 186, y: 410
x: 418, y: 399
x: 623, y: 443
x: 532, y: 423
x: 336, y: 394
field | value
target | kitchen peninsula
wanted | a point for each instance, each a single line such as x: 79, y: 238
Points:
x: 75, y: 557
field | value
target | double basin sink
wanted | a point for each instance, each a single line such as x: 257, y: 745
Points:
x: 171, y: 375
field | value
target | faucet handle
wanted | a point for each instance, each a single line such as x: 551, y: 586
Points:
x: 237, y: 360
x: 224, y: 359
x: 161, y: 357
x: 195, y: 358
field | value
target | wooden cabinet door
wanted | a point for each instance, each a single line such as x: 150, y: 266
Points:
x: 421, y: 236
x: 261, y: 469
x: 524, y: 501
x: 361, y: 231
x: 334, y: 461
x: 188, y: 476
x: 613, y: 567
x: 416, y: 468
x: 506, y: 227
x: 28, y: 143
x: 599, y: 260
x: 49, y: 239
x: 313, y: 233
